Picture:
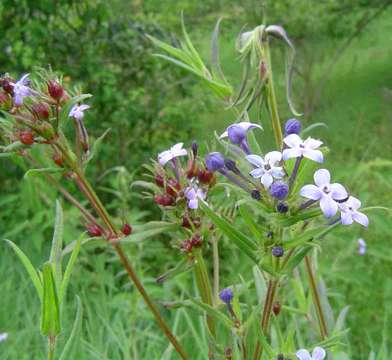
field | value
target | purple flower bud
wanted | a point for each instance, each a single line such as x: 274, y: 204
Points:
x: 215, y: 161
x: 292, y: 126
x: 236, y: 134
x: 195, y: 147
x: 277, y: 251
x: 230, y: 165
x: 279, y: 190
x: 282, y: 207
x: 255, y: 194
x: 226, y: 295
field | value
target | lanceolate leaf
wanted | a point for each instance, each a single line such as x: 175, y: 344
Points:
x: 50, y: 315
x: 57, y: 243
x: 29, y: 268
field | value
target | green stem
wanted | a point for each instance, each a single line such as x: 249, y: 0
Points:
x: 204, y: 286
x: 316, y: 299
x: 215, y: 255
x: 271, y: 99
x: 268, y: 303
x: 51, y: 347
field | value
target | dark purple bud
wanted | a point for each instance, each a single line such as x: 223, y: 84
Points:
x: 292, y: 126
x: 236, y: 133
x: 195, y: 147
x: 280, y: 357
x: 282, y: 207
x: 277, y: 251
x: 230, y: 165
x: 255, y: 194
x: 279, y: 190
x: 270, y: 234
x: 226, y: 295
x: 215, y: 161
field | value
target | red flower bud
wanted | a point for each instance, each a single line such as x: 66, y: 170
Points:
x: 94, y: 230
x: 42, y: 111
x: 172, y: 187
x: 186, y: 246
x: 187, y: 222
x: 55, y: 90
x: 26, y: 137
x: 58, y: 159
x: 205, y: 176
x: 126, y: 229
x: 276, y: 308
x: 196, y: 241
x: 164, y: 200
x: 159, y: 180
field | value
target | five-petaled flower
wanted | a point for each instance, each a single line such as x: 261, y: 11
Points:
x: 21, y: 90
x: 77, y: 111
x: 194, y: 195
x: 317, y: 354
x: 306, y: 148
x: 237, y: 134
x: 267, y: 169
x: 349, y: 212
x: 172, y: 153
x: 328, y: 194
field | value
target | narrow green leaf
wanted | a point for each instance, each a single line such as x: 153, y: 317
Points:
x: 50, y: 315
x: 248, y: 218
x: 29, y: 268
x: 182, y: 266
x: 57, y: 244
x: 96, y: 146
x: 68, y: 270
x: 35, y: 172
x: 70, y: 346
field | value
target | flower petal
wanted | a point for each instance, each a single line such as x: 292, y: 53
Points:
x: 190, y: 193
x: 312, y: 143
x: 311, y: 192
x: 273, y: 157
x: 353, y: 202
x: 315, y: 155
x: 338, y: 192
x: 303, y: 354
x: 293, y: 140
x: 267, y: 180
x: 322, y: 177
x: 177, y: 147
x: 277, y: 172
x: 328, y: 206
x: 360, y: 218
x: 255, y: 160
x: 225, y: 134
x: 193, y: 204
x: 318, y: 353
x: 246, y: 125
x: 346, y: 218
x: 164, y: 156
x: 256, y: 173
x: 291, y: 153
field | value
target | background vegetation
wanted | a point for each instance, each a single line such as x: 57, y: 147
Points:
x: 343, y: 79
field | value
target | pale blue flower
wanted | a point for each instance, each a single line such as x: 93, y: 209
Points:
x: 302, y: 148
x: 77, y: 111
x: 21, y: 90
x: 317, y: 354
x: 349, y: 212
x: 174, y: 152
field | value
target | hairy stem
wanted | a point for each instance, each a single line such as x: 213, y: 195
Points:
x: 316, y: 299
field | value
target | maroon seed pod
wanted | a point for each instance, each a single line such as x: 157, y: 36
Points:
x: 94, y: 230
x: 205, y: 176
x: 42, y: 111
x: 186, y: 223
x: 164, y: 200
x: 126, y: 229
x: 196, y: 241
x: 186, y: 246
x: 7, y: 86
x: 172, y: 187
x: 58, y: 159
x: 276, y: 308
x: 26, y: 137
x: 159, y: 180
x: 55, y: 90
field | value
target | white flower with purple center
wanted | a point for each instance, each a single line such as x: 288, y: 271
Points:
x: 349, y: 212
x: 171, y: 154
x: 194, y: 195
x: 361, y: 246
x: 21, y: 90
x: 77, y: 111
x: 317, y: 354
x: 302, y: 148
x: 266, y: 169
x: 328, y: 194
x: 237, y: 134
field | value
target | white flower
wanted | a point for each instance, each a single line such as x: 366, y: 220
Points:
x: 328, y: 194
x: 306, y: 148
x: 172, y: 153
x: 77, y: 111
x: 317, y: 354
x: 194, y: 195
x: 3, y: 337
x: 349, y: 212
x: 21, y: 90
x: 245, y: 126
x: 267, y: 169
x: 361, y: 246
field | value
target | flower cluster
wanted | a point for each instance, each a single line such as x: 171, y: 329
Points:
x: 271, y: 170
